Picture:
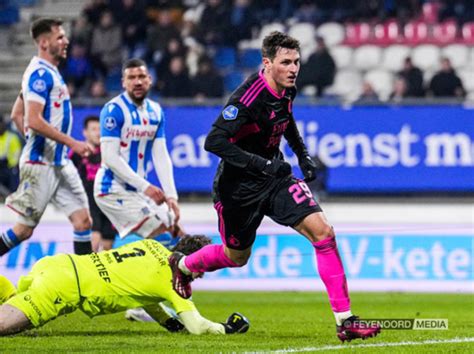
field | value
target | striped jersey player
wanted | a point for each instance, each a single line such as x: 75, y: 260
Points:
x: 46, y: 173
x: 133, y: 134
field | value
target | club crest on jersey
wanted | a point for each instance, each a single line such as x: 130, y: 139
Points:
x: 230, y: 112
x: 39, y: 85
x: 110, y: 123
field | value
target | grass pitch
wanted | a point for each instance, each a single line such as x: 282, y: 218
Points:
x: 280, y: 321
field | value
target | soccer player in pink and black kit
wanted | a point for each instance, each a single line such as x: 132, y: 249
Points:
x: 253, y: 180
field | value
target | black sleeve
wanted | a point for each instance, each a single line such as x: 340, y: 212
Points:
x: 218, y: 141
x: 294, y: 139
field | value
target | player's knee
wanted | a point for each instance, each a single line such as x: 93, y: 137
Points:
x: 325, y: 231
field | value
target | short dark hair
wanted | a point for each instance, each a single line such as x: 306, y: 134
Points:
x: 44, y: 25
x: 90, y: 119
x: 275, y: 41
x: 133, y: 63
x: 191, y: 243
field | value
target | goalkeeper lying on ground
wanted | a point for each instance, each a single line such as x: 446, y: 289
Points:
x: 134, y: 275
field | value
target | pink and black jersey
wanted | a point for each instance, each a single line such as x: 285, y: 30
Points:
x: 253, y: 122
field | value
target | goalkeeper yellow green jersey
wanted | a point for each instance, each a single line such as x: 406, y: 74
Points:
x: 131, y: 276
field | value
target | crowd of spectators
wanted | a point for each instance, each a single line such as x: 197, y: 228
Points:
x: 180, y: 39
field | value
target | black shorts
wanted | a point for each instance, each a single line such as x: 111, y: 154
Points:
x: 289, y: 203
x: 101, y: 223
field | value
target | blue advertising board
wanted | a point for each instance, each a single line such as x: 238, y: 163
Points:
x: 367, y: 149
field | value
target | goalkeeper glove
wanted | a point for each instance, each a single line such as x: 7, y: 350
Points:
x: 275, y: 167
x: 236, y: 323
x: 308, y: 167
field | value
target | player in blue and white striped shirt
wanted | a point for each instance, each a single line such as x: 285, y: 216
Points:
x: 46, y: 174
x: 132, y: 134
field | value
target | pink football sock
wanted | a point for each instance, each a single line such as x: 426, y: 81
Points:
x: 332, y: 274
x: 207, y: 259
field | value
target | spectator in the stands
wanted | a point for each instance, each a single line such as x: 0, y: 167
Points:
x: 176, y: 82
x: 368, y: 94
x: 212, y: 28
x: 131, y: 16
x: 413, y: 77
x: 106, y: 46
x: 207, y: 83
x: 10, y: 150
x: 460, y: 10
x: 174, y: 48
x: 98, y: 89
x: 94, y: 9
x: 81, y: 32
x: 78, y: 71
x: 241, y: 21
x: 319, y: 70
x: 399, y: 92
x: 307, y: 12
x: 159, y: 33
x: 446, y: 83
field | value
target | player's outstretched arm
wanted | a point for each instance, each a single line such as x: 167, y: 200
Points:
x: 196, y: 324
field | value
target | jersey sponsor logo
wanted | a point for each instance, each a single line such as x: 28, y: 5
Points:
x: 39, y: 85
x: 230, y: 112
x: 110, y: 123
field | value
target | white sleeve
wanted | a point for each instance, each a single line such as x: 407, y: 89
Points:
x: 110, y: 151
x: 164, y: 167
x: 196, y: 324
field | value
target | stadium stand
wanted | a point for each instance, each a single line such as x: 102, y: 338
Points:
x: 364, y: 43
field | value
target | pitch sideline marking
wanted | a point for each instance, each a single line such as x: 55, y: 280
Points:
x: 374, y: 345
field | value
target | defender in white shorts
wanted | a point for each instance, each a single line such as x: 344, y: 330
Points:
x: 133, y: 133
x: 46, y: 173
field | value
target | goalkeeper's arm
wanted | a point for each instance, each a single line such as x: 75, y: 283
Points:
x: 196, y: 324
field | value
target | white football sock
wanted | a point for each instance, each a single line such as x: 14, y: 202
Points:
x: 342, y: 316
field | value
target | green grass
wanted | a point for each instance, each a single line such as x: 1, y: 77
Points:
x: 279, y: 320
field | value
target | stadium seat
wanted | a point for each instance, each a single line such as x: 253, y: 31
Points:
x: 458, y: 54
x: 381, y: 81
x: 426, y: 56
x: 428, y: 75
x: 445, y: 32
x: 393, y: 57
x: 387, y: 33
x: 467, y: 78
x: 468, y: 33
x: 250, y: 59
x: 232, y: 80
x: 269, y: 28
x: 347, y: 84
x: 304, y: 32
x: 367, y: 57
x: 357, y: 33
x: 342, y: 55
x: 225, y: 58
x: 416, y: 32
x: 332, y: 32
x: 430, y: 11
